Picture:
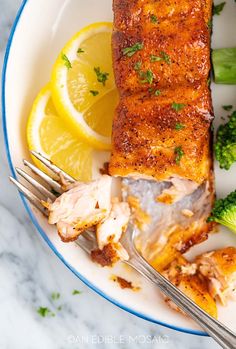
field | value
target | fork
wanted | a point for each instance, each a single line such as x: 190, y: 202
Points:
x: 51, y: 189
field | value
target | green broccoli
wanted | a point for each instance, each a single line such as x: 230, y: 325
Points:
x: 224, y: 212
x: 225, y: 145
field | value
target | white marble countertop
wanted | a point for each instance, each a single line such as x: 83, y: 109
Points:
x: 30, y: 273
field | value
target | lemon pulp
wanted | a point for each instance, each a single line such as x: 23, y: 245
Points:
x: 47, y: 134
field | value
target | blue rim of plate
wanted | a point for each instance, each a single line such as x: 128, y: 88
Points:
x: 30, y: 212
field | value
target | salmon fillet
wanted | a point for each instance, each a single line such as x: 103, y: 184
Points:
x: 162, y: 125
x: 175, y: 61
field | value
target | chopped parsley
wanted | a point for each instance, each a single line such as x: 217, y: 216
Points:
x: 157, y: 93
x: 209, y: 24
x: 154, y: 58
x: 75, y: 292
x: 217, y: 9
x: 177, y: 106
x: 147, y: 77
x: 162, y: 57
x: 80, y: 50
x: 179, y: 154
x: 154, y: 92
x: 179, y: 126
x: 154, y: 19
x: 55, y: 296
x: 178, y: 267
x: 94, y: 92
x: 59, y: 308
x: 66, y: 61
x: 227, y: 107
x: 44, y: 311
x: 101, y: 77
x: 130, y: 51
x: 165, y: 57
x: 138, y: 66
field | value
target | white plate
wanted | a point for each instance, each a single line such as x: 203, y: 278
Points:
x: 40, y: 31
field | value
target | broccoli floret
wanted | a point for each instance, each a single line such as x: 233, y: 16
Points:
x: 224, y: 212
x: 225, y: 146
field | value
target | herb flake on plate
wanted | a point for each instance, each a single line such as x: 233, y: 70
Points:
x: 75, y: 292
x: 227, y: 107
x: 217, y: 9
x: 44, y: 312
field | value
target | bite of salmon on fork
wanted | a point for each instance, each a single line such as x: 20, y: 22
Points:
x: 76, y: 207
x: 162, y: 139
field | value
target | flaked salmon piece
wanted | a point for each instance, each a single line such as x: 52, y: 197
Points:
x: 177, y: 191
x: 219, y: 269
x: 184, y: 275
x: 109, y: 232
x: 111, y: 228
x: 81, y: 207
x: 110, y: 254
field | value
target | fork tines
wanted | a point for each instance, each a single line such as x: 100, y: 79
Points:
x: 48, y: 192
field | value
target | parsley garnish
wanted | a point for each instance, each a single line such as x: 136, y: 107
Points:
x: 130, y: 51
x: 217, y: 9
x: 177, y: 106
x: 157, y: 93
x: 76, y: 292
x: 209, y: 24
x: 138, y: 66
x: 179, y: 126
x: 227, y: 107
x: 66, y: 61
x: 154, y: 92
x: 94, y: 92
x: 80, y: 50
x: 101, y: 77
x: 153, y: 19
x: 154, y: 58
x: 162, y: 57
x: 147, y: 77
x: 179, y: 153
x: 165, y: 57
x: 55, y: 296
x: 43, y: 311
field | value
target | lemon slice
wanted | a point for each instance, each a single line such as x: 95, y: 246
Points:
x: 83, y: 86
x: 48, y: 135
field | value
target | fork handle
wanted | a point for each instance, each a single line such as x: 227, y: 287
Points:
x: 222, y: 335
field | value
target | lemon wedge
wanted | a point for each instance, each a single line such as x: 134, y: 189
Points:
x: 83, y: 86
x: 48, y: 135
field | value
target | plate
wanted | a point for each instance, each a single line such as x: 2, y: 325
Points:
x: 40, y: 31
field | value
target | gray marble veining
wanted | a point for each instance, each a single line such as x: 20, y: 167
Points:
x: 30, y: 272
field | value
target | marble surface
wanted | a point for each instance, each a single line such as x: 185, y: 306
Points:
x: 30, y: 273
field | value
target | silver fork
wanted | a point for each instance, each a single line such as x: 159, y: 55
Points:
x: 87, y: 241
